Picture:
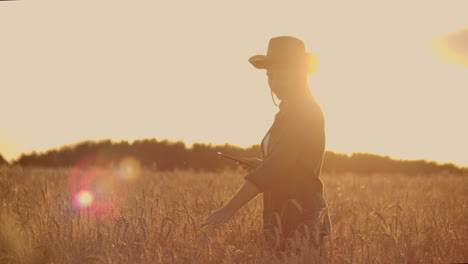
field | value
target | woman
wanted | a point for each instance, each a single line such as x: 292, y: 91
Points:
x: 292, y: 150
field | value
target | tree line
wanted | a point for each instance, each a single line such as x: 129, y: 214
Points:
x: 170, y: 155
x: 3, y: 161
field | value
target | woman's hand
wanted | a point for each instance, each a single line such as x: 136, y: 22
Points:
x: 218, y: 218
x: 247, y: 192
x: 255, y: 161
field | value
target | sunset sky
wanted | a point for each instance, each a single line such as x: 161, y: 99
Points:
x: 392, y: 79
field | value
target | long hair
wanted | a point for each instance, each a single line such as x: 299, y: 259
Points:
x: 273, y: 98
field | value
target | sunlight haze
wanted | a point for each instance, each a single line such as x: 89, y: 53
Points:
x: 76, y: 70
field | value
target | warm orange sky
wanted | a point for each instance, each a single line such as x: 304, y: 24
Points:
x: 73, y: 70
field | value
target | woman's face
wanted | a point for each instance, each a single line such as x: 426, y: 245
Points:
x: 281, y: 80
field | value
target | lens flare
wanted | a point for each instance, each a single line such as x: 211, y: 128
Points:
x: 93, y: 189
x: 129, y: 169
x: 97, y: 187
x: 84, y: 198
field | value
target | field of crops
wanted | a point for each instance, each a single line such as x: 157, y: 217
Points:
x: 155, y: 218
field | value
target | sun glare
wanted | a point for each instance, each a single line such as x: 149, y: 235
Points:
x: 129, y: 169
x: 84, y: 198
x: 448, y: 48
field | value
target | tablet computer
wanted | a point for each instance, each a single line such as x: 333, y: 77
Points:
x: 237, y: 159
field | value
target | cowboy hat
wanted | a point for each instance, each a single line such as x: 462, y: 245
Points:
x: 285, y: 51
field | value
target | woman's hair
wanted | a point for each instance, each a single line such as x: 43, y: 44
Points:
x: 273, y: 98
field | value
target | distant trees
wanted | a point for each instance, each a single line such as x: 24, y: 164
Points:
x: 367, y: 163
x: 169, y: 155
x: 151, y: 153
x: 3, y: 161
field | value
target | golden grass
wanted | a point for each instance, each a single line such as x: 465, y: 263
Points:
x: 375, y: 218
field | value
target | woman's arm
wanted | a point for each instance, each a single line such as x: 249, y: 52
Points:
x: 247, y: 192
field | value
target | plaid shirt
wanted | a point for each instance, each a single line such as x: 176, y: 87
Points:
x: 289, y: 173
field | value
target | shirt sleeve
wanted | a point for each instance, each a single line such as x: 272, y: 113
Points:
x: 292, y: 139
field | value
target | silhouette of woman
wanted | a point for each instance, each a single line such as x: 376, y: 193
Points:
x: 292, y: 150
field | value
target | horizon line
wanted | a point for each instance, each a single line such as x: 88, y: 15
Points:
x: 189, y: 146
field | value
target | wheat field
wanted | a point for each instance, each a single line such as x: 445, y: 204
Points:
x: 376, y: 218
